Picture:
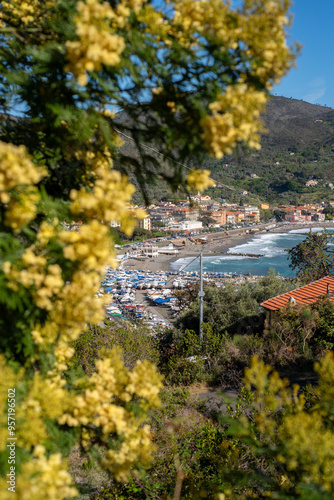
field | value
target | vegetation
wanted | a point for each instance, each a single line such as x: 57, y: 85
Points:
x: 312, y: 258
x: 207, y: 220
x: 136, y: 343
x: 297, y: 147
x: 178, y: 72
x: 258, y: 445
x: 233, y: 309
x: 137, y: 235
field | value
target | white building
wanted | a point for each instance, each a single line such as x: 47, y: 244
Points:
x: 186, y: 225
x: 252, y: 213
x: 145, y: 223
x: 149, y: 250
x: 115, y: 224
x: 169, y: 250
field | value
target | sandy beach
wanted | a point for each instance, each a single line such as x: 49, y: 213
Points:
x: 213, y: 247
x: 217, y: 244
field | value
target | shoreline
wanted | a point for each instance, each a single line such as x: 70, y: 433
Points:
x: 163, y: 262
x: 211, y: 248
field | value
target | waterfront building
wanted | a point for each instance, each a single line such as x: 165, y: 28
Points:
x: 219, y: 216
x: 186, y: 225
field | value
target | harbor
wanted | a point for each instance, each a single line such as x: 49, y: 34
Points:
x: 152, y: 297
x: 145, y: 287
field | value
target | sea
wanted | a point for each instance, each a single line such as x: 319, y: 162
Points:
x: 273, y: 247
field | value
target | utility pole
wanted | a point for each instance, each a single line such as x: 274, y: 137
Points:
x: 201, y: 295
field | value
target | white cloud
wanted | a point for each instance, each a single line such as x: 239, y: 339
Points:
x: 317, y: 88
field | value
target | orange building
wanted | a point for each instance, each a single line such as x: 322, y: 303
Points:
x: 219, y: 216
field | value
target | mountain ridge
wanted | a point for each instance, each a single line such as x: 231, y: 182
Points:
x: 298, y: 146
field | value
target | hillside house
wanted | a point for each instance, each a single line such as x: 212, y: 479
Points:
x: 305, y: 295
x: 312, y: 182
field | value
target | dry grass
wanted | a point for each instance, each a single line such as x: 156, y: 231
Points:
x: 88, y: 476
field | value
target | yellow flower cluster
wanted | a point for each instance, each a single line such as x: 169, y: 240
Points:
x: 44, y: 282
x: 70, y: 305
x: 135, y: 5
x: 41, y: 478
x: 98, y: 407
x: 31, y: 412
x: 36, y: 407
x: 234, y: 118
x: 294, y: 433
x: 47, y: 231
x: 154, y: 23
x: 90, y: 246
x: 262, y: 30
x: 257, y: 27
x: 18, y: 194
x: 21, y: 209
x: 108, y: 200
x: 110, y: 194
x: 26, y: 11
x: 137, y: 448
x: 209, y: 18
x: 94, y: 161
x: 74, y: 308
x: 74, y: 305
x: 97, y: 45
x: 7, y: 379
x: 199, y: 180
x: 145, y: 383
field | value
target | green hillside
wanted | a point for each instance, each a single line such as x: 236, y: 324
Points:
x: 298, y: 147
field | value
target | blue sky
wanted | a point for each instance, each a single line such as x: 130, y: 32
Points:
x: 313, y: 79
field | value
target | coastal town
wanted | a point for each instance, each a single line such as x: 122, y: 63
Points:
x: 186, y: 216
x: 144, y: 286
x: 166, y: 250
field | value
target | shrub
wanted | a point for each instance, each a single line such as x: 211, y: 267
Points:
x: 136, y: 341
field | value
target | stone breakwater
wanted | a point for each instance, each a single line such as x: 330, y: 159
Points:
x: 255, y: 255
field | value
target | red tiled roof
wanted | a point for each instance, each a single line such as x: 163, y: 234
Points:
x: 305, y: 295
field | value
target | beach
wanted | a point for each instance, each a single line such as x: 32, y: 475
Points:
x: 212, y: 247
x: 217, y: 244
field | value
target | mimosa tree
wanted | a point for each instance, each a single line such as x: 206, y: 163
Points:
x: 185, y: 76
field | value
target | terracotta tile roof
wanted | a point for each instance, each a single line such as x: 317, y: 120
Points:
x: 304, y: 295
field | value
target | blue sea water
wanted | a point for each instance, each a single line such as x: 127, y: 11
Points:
x: 271, y: 245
